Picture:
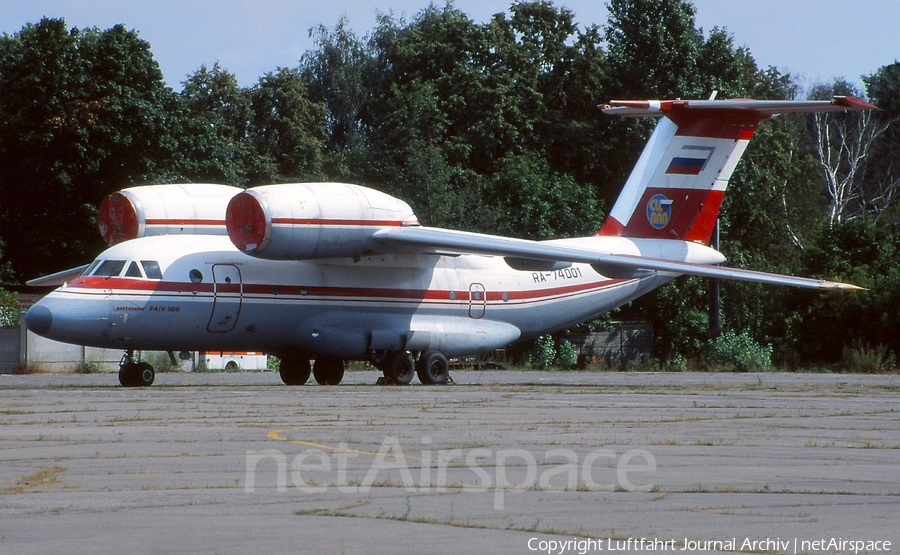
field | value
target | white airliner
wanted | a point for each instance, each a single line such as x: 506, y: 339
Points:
x: 335, y: 272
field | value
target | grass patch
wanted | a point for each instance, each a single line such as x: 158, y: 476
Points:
x: 42, y: 478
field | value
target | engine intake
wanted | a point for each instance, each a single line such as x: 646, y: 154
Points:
x: 301, y: 221
x: 190, y: 208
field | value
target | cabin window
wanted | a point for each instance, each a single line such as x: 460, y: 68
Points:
x: 196, y: 276
x: 133, y: 271
x: 110, y: 268
x: 151, y: 268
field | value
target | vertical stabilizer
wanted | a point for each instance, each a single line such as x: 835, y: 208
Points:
x: 677, y: 186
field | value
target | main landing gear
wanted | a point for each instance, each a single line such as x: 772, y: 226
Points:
x: 433, y: 368
x: 398, y: 368
x: 133, y: 373
x: 295, y: 370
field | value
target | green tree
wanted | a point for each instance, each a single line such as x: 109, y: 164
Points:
x: 286, y: 130
x: 216, y: 127
x: 771, y: 213
x: 724, y: 68
x: 82, y: 113
x: 9, y: 305
x: 860, y: 252
x: 843, y: 147
x: 653, y: 49
x: 541, y: 204
x: 475, y: 99
x: 335, y: 74
x: 883, y: 171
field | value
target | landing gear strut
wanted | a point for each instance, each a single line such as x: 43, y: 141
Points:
x: 133, y: 373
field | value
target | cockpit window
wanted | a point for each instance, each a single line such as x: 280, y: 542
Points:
x: 151, y: 268
x: 87, y: 271
x: 133, y: 271
x: 110, y: 268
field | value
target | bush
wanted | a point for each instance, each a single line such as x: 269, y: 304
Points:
x: 9, y: 309
x: 566, y: 354
x: 87, y: 367
x: 161, y: 362
x: 862, y: 358
x: 544, y: 352
x: 740, y: 352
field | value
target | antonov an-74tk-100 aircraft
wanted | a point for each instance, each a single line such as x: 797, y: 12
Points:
x: 335, y: 272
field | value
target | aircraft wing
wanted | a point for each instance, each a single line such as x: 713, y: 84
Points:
x: 56, y: 279
x: 450, y: 242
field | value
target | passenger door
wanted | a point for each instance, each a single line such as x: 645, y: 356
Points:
x: 228, y: 292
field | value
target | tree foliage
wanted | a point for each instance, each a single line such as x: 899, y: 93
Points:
x: 83, y: 111
x: 489, y: 127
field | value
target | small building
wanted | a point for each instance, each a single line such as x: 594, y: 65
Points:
x: 630, y: 342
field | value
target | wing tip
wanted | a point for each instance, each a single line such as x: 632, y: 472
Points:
x: 838, y: 286
x: 853, y: 103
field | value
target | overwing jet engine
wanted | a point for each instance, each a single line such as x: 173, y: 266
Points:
x: 196, y: 208
x: 304, y: 221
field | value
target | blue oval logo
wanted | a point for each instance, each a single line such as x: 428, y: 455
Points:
x: 659, y: 211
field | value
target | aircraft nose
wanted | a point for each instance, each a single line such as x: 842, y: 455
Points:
x: 39, y: 319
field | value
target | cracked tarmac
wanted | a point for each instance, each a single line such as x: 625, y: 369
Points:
x: 498, y: 462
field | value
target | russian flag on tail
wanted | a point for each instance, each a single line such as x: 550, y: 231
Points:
x: 686, y: 166
x: 690, y: 165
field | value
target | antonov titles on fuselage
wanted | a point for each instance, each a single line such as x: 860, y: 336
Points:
x: 335, y: 272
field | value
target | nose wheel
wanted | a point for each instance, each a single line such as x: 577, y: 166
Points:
x: 135, y: 374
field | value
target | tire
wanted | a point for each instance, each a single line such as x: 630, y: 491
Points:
x: 433, y: 368
x: 294, y: 370
x: 136, y: 374
x: 400, y: 367
x: 126, y: 375
x: 144, y: 374
x: 328, y: 371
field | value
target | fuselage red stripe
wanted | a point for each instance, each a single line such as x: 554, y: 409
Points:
x: 125, y: 286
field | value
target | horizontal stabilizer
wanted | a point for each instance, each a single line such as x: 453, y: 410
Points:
x: 762, y: 109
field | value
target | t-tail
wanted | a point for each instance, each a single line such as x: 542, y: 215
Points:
x: 679, y: 181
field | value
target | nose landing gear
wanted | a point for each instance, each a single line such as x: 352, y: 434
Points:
x: 133, y: 373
